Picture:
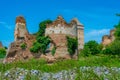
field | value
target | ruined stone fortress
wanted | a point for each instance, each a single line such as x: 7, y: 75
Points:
x: 57, y: 31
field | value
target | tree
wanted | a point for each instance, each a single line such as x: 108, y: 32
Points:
x: 42, y: 41
x: 2, y: 52
x: 93, y: 47
x: 42, y: 27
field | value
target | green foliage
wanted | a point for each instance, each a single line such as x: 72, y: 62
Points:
x: 23, y: 46
x: 40, y: 64
x: 91, y: 48
x: 72, y: 44
x: 35, y: 47
x: 53, y: 51
x: 2, y: 52
x: 117, y: 32
x: 85, y: 52
x: 42, y: 41
x: 40, y: 45
x: 113, y: 48
x: 42, y: 27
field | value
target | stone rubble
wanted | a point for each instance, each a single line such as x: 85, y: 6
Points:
x: 20, y: 73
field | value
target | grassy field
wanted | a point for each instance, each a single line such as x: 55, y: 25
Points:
x: 99, y: 60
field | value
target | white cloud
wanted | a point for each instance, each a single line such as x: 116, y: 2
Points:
x: 98, y: 32
x: 6, y: 25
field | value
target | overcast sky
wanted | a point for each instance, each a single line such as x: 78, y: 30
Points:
x: 98, y: 16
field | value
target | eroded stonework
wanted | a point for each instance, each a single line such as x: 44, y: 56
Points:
x: 107, y: 39
x: 20, y: 29
x: 59, y: 29
x: 21, y: 35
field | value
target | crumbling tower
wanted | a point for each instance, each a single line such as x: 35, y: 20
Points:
x: 20, y: 29
x: 80, y: 34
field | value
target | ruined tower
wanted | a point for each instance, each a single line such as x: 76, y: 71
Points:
x: 20, y: 29
x: 80, y: 33
x: 59, y: 29
x: 15, y: 51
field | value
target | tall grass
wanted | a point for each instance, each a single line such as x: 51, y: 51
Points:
x: 100, y: 60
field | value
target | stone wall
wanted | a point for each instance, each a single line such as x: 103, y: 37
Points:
x: 59, y: 26
x: 21, y: 35
x: 107, y: 39
x: 61, y: 45
x: 59, y: 29
x: 20, y: 28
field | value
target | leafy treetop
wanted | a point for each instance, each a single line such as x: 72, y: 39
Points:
x: 42, y: 41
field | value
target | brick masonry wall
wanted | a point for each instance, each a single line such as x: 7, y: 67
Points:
x: 62, y: 29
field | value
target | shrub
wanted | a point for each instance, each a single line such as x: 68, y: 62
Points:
x: 85, y: 52
x: 2, y: 52
x: 113, y: 48
x: 35, y: 48
x: 107, y: 50
x: 91, y: 48
x: 23, y: 46
x: 72, y: 45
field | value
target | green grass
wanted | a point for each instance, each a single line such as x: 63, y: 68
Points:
x: 100, y: 60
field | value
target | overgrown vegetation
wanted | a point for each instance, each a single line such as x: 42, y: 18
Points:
x: 91, y: 48
x: 114, y: 47
x: 53, y: 51
x: 40, y: 45
x: 72, y: 44
x: 99, y: 60
x: 2, y: 52
x: 23, y: 46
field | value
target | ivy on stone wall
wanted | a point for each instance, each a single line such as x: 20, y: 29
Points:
x: 40, y: 45
x: 72, y: 45
x: 53, y: 50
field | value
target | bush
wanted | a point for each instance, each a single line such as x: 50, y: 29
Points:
x: 2, y: 52
x: 35, y: 47
x: 23, y: 46
x: 91, y: 48
x: 85, y: 52
x: 113, y: 48
x: 107, y: 50
x: 72, y: 45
